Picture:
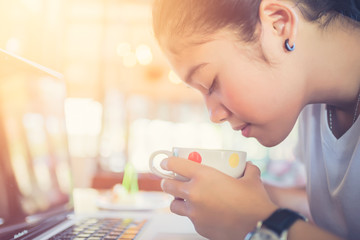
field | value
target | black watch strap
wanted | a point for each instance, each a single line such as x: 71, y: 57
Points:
x: 281, y: 220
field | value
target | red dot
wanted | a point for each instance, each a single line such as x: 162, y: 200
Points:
x: 195, y: 156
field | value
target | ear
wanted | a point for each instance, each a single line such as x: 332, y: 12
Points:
x: 280, y: 19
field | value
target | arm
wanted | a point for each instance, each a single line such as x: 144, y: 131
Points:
x: 304, y: 230
x: 294, y: 198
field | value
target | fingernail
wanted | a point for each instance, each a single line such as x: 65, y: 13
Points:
x: 162, y: 184
x: 164, y: 163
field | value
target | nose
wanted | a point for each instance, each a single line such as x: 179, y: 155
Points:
x: 218, y: 113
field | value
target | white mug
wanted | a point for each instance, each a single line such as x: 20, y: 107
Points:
x: 229, y: 162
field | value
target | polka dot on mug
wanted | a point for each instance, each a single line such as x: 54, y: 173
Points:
x: 234, y: 160
x: 195, y: 156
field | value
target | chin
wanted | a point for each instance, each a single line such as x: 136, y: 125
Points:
x: 267, y: 142
x: 272, y: 136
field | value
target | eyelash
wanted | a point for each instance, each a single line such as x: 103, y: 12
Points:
x: 213, y: 85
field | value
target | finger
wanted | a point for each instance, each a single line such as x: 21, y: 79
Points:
x: 178, y: 206
x: 174, y: 187
x: 180, y: 166
x: 251, y: 171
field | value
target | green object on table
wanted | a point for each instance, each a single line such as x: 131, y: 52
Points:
x: 130, y: 179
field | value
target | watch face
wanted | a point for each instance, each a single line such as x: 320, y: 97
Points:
x: 263, y: 234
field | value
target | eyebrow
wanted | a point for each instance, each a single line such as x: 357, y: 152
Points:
x: 192, y: 72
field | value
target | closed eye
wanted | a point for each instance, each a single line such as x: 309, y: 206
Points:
x: 213, y: 86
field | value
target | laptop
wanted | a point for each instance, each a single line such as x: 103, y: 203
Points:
x: 35, y: 176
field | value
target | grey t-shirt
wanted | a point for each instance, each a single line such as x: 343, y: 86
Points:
x: 333, y: 172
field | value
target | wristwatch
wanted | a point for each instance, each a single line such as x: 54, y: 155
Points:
x: 276, y: 226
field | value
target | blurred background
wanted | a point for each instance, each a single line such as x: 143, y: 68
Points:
x: 123, y: 101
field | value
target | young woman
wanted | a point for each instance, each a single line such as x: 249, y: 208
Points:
x: 259, y: 64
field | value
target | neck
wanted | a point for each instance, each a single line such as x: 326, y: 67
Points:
x: 334, y: 76
x: 333, y: 60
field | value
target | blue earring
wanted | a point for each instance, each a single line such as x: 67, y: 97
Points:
x: 287, y: 46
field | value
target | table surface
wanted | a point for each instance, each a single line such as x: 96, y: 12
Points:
x: 163, y: 224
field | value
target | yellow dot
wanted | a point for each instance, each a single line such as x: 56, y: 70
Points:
x: 234, y: 160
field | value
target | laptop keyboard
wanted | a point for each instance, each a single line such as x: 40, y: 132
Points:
x: 102, y: 229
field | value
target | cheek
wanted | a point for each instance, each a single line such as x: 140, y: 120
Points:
x: 242, y: 99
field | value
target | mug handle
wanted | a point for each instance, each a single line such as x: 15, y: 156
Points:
x: 154, y: 169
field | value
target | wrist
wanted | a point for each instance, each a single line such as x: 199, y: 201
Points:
x: 276, y: 226
x: 259, y: 215
x: 264, y: 214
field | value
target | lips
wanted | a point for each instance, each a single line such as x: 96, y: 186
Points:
x: 245, y: 129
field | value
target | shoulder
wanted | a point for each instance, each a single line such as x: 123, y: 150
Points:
x: 311, y: 112
x: 310, y: 122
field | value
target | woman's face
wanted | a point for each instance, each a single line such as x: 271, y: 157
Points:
x: 260, y: 99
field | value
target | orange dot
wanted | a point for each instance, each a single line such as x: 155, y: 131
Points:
x: 195, y: 156
x: 234, y: 160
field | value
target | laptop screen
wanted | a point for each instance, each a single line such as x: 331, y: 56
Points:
x: 35, y: 179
